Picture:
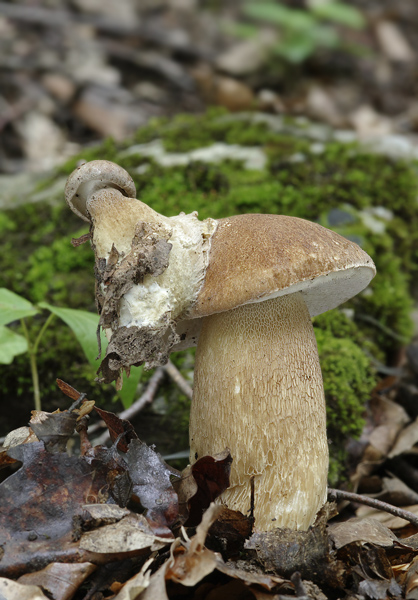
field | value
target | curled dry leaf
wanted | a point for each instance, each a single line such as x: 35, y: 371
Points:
x: 375, y: 590
x: 151, y: 479
x: 59, y: 580
x: 137, y: 584
x: 54, y: 429
x: 201, y: 483
x: 396, y: 492
x: 131, y: 533
x: 189, y: 560
x: 411, y: 579
x: 387, y: 420
x: 165, y: 501
x: 149, y: 475
x: 22, y: 435
x: 95, y: 515
x: 12, y: 590
x: 116, y: 427
x: 374, y: 556
x: 68, y: 389
x: 407, y: 438
x: 265, y: 581
x: 85, y: 409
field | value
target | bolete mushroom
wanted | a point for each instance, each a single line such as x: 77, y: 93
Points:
x: 244, y: 289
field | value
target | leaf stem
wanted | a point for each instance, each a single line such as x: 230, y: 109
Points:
x: 32, y: 351
x: 41, y: 333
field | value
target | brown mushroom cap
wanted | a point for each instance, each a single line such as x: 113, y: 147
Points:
x: 255, y: 257
x: 91, y: 177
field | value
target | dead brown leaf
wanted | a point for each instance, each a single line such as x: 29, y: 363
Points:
x: 12, y: 590
x: 229, y: 532
x: 407, y: 438
x: 201, y: 483
x: 59, y: 580
x: 116, y: 427
x: 137, y: 584
x: 360, y: 530
x: 54, y: 429
x: 151, y: 479
x: 131, y: 533
x: 39, y: 502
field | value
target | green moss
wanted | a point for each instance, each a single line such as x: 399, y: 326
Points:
x: 57, y: 274
x: 348, y: 381
x: 344, y: 352
x: 300, y: 179
x: 6, y: 223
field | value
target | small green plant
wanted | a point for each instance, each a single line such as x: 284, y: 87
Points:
x: 300, y: 32
x: 14, y: 309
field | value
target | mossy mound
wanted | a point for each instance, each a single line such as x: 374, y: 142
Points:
x: 250, y: 163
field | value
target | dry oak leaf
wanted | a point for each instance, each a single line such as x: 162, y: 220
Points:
x: 39, y: 501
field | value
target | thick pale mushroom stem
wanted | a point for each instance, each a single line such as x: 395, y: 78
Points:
x: 258, y: 391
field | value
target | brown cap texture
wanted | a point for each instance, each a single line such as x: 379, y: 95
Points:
x: 254, y: 257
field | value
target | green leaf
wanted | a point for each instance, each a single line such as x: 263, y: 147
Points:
x: 241, y: 30
x: 339, y: 12
x: 297, y: 48
x: 128, y: 392
x: 84, y: 325
x: 11, y: 344
x: 277, y: 14
x: 326, y: 36
x: 14, y: 307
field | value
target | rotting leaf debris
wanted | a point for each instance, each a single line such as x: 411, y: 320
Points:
x: 61, y: 508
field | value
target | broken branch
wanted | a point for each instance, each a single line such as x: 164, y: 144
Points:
x: 374, y: 503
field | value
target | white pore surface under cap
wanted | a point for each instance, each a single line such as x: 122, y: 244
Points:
x: 329, y: 291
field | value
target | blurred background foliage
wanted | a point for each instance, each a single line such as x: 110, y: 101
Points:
x: 300, y: 32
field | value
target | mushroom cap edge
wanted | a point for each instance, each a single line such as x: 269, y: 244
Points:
x: 255, y: 257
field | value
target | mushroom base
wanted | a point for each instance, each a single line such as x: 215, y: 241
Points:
x: 258, y: 391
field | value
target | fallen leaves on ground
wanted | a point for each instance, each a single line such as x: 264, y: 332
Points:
x: 121, y: 523
x: 85, y: 511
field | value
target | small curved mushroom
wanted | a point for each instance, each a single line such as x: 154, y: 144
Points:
x: 149, y: 268
x: 92, y: 177
x: 244, y: 289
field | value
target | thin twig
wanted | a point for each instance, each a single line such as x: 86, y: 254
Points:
x: 178, y: 379
x: 374, y: 503
x: 146, y: 398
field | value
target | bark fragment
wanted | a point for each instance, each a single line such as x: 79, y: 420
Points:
x: 136, y: 346
x: 149, y: 255
x: 133, y: 345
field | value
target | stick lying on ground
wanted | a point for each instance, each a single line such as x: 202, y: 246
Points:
x: 374, y: 503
